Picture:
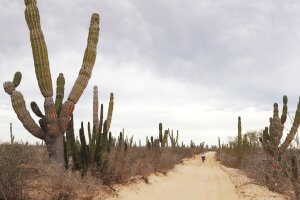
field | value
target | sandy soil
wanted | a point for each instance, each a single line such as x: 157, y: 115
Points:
x: 194, y: 180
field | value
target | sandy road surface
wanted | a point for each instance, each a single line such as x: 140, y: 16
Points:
x: 192, y: 180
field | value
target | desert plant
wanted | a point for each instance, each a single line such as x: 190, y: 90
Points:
x: 12, y: 137
x: 239, y: 141
x: 56, y: 120
x: 295, y: 177
x: 271, y: 140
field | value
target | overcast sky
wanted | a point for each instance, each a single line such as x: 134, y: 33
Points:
x: 193, y: 65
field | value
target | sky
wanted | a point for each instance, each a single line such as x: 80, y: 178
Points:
x: 193, y: 65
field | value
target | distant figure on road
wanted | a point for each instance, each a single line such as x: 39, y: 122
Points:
x: 203, y: 157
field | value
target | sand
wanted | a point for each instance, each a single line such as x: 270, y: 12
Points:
x: 193, y: 180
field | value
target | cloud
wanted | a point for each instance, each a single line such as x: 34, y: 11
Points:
x: 193, y: 65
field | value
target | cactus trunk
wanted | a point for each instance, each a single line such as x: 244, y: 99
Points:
x: 55, y: 148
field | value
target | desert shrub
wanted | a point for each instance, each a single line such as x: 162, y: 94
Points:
x: 12, y: 160
x: 139, y: 162
x: 276, y: 175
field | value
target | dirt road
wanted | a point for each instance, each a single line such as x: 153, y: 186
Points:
x: 191, y: 180
x: 194, y: 180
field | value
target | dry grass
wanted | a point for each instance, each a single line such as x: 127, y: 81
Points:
x: 27, y: 173
x: 263, y: 170
x: 141, y: 162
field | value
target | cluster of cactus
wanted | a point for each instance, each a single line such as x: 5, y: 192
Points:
x: 56, y: 119
x: 162, y: 140
x: 100, y: 140
x: 239, y: 146
x: 124, y: 142
x: 174, y: 140
x: 272, y: 135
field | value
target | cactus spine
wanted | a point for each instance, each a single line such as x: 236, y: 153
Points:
x: 55, y: 121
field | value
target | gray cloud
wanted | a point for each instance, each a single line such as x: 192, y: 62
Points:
x: 195, y: 65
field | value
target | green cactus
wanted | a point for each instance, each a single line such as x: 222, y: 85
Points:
x: 36, y: 110
x: 97, y: 150
x: 95, y: 110
x: 83, y: 148
x: 174, y: 141
x: 12, y: 137
x: 110, y: 111
x: 272, y: 136
x: 160, y: 134
x: 71, y: 143
x: 239, y: 142
x: 17, y: 79
x: 56, y: 120
x: 60, y: 92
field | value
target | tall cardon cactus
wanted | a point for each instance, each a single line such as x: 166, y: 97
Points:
x: 272, y: 135
x: 55, y: 120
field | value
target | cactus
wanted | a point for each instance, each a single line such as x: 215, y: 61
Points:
x: 96, y: 151
x: 174, y: 141
x: 110, y: 111
x: 95, y: 109
x: 83, y: 148
x: 71, y: 143
x: 295, y: 177
x: 60, y: 92
x: 55, y: 121
x: 273, y: 135
x: 239, y: 142
x: 160, y: 134
x: 219, y: 143
x: 12, y: 137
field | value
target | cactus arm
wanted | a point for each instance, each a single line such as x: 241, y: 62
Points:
x: 84, y: 74
x: 292, y: 132
x: 36, y: 110
x: 88, y: 61
x: 60, y: 91
x: 110, y: 111
x: 39, y: 48
x: 20, y: 109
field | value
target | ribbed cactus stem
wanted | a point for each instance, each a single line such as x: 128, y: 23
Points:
x: 39, y: 48
x: 36, y: 110
x: 88, y: 60
x: 89, y: 134
x: 83, y: 148
x: 239, y: 144
x: 110, y: 111
x: 12, y: 137
x: 17, y: 79
x: 95, y: 109
x: 293, y: 130
x: 20, y: 109
x: 97, y: 148
x: 160, y: 134
x: 72, y: 145
x: 60, y: 92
